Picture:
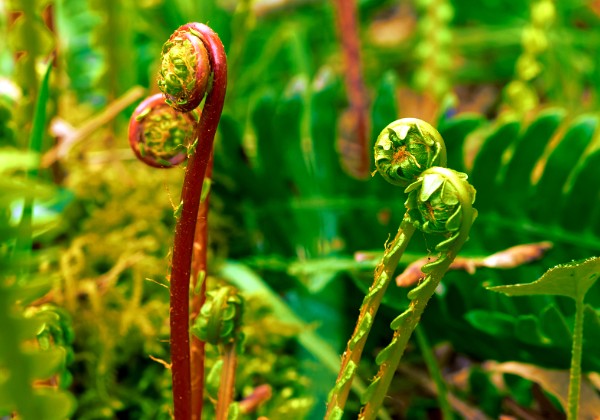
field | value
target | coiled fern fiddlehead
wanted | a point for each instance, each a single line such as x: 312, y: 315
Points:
x: 159, y: 135
x: 403, y: 150
x: 409, y: 153
x: 193, y: 66
x: 440, y: 201
x: 219, y: 324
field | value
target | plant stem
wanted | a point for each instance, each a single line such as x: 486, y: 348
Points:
x: 226, y: 386
x: 351, y: 357
x: 357, y: 94
x: 412, y: 316
x: 436, y: 374
x: 186, y: 225
x: 575, y: 371
x: 199, y: 273
x: 420, y: 295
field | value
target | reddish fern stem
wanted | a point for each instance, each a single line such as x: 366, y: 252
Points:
x: 226, y: 386
x: 186, y: 225
x: 199, y: 265
x: 347, y: 17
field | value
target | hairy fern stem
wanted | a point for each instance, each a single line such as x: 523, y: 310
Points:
x: 194, y: 67
x: 410, y: 153
x: 351, y: 357
x: 575, y: 371
x: 403, y: 326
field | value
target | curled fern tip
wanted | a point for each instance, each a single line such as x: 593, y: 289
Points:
x: 158, y: 135
x: 440, y: 201
x: 406, y: 148
x: 185, y: 69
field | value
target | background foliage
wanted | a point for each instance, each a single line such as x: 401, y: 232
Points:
x: 284, y: 210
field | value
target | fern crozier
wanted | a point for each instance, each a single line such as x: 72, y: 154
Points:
x: 185, y: 69
x: 158, y: 135
x: 406, y: 148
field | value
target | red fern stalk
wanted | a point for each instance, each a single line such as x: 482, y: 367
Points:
x: 186, y: 225
x: 354, y: 138
x: 191, y: 55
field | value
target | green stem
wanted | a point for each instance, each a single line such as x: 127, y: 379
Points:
x: 393, y: 353
x: 405, y: 323
x: 575, y: 373
x: 351, y: 357
x: 436, y: 374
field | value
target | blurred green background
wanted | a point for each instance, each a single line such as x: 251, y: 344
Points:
x: 86, y: 231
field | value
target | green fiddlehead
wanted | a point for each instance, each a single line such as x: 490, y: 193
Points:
x: 219, y: 319
x: 219, y: 324
x: 440, y: 201
x: 404, y: 149
x: 56, y: 330
x: 194, y: 67
x: 434, y: 204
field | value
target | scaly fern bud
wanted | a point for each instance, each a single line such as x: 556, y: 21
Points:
x: 220, y: 317
x: 159, y: 135
x: 406, y: 148
x: 440, y: 201
x: 433, y: 202
x: 185, y: 69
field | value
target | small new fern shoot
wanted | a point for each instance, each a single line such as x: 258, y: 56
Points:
x: 409, y: 153
x: 193, y: 68
x: 219, y: 324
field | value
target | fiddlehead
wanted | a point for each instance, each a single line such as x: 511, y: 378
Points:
x: 158, y: 135
x: 184, y: 87
x: 403, y: 150
x: 220, y: 317
x: 219, y: 324
x: 185, y: 69
x: 434, y: 204
x: 440, y: 201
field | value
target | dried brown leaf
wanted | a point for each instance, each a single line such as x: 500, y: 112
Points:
x: 556, y: 382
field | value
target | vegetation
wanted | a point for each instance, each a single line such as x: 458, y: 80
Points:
x: 261, y: 290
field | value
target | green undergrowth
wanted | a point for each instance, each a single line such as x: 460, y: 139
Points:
x: 85, y: 298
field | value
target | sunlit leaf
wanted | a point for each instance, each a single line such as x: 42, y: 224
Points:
x: 572, y: 280
x: 12, y: 159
